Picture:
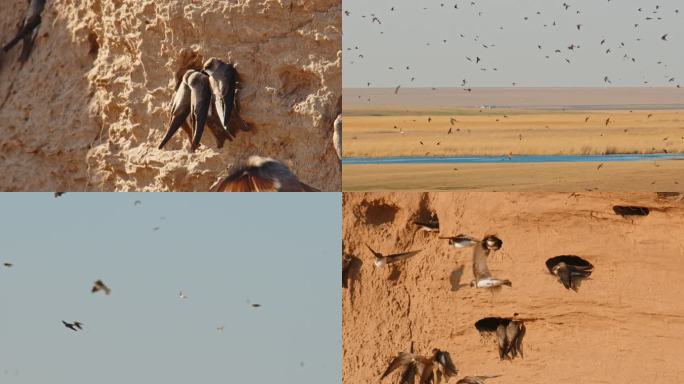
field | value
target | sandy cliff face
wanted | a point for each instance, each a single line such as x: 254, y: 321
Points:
x: 625, y: 324
x: 89, y: 108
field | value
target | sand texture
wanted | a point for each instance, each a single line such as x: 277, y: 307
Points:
x: 517, y: 132
x: 642, y: 176
x: 89, y: 108
x: 624, y: 325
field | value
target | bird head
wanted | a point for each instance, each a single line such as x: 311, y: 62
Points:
x: 211, y: 65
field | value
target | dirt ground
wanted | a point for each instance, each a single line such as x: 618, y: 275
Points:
x: 643, y: 176
x: 625, y: 324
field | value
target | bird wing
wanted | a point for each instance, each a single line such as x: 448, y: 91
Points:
x: 503, y: 342
x: 446, y: 365
x: 400, y: 256
x: 200, y: 100
x: 480, y: 269
x: 376, y: 254
x: 180, y: 109
x: 409, y: 374
x: 402, y: 359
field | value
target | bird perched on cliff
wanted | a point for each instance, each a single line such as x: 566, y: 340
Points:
x: 261, y: 174
x: 337, y: 136
x: 73, y: 326
x: 509, y: 336
x: 382, y: 260
x: 224, y: 87
x: 431, y: 225
x: 569, y: 269
x: 461, y: 241
x: 430, y: 369
x: 100, y: 286
x: 483, y: 278
x: 28, y: 30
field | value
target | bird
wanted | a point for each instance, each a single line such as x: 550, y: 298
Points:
x: 261, y: 174
x: 28, y: 30
x: 430, y: 369
x: 599, y: 166
x: 461, y: 241
x: 58, y: 194
x: 256, y: 305
x: 182, y: 295
x: 220, y: 328
x: 180, y: 110
x: 337, y: 136
x: 664, y: 37
x: 74, y: 327
x: 509, y: 336
x: 137, y: 202
x: 223, y: 83
x: 382, y: 260
x: 8, y: 265
x: 569, y: 274
x: 483, y: 278
x: 431, y: 225
x: 100, y: 286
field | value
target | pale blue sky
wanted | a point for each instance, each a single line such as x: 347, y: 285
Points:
x: 278, y: 250
x: 400, y: 38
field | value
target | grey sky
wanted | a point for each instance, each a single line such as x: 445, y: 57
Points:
x: 407, y: 30
x: 278, y: 250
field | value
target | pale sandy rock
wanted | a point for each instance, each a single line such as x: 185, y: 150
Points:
x: 88, y: 109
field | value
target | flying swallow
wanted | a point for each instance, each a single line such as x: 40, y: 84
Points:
x: 182, y: 295
x: 337, y: 136
x: 100, y: 286
x: 58, y: 194
x: 261, y: 174
x: 8, y: 265
x: 28, y: 30
x: 381, y: 260
x: 483, y: 278
x: 462, y: 241
x: 73, y: 326
x: 223, y: 82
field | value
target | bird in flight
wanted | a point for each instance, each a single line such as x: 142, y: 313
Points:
x: 182, y: 295
x: 100, y: 286
x: 381, y: 260
x: 483, y: 278
x: 429, y: 369
x: 73, y: 326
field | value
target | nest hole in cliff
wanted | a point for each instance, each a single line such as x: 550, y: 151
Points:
x: 296, y: 84
x: 569, y: 260
x: 378, y: 213
x: 185, y: 61
x: 94, y: 46
x: 425, y: 217
x: 624, y: 210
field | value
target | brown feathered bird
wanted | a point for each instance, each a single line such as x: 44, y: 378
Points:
x: 261, y: 174
x: 100, y: 286
x: 429, y: 369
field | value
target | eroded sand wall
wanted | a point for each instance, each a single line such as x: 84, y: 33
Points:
x: 626, y: 324
x: 89, y: 108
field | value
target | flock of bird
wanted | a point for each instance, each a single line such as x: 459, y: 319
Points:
x: 570, y: 270
x: 561, y: 20
x: 100, y: 286
x: 216, y: 83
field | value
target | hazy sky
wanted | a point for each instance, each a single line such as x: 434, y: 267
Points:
x: 278, y: 250
x: 399, y: 39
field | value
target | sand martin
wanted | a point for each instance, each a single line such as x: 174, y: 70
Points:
x: 569, y: 269
x: 381, y: 260
x: 100, y: 286
x: 261, y: 174
x: 337, y: 136
x: 223, y: 82
x: 28, y: 30
x: 73, y: 326
x: 431, y: 225
x: 483, y: 278
x: 462, y: 241
x: 430, y: 369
